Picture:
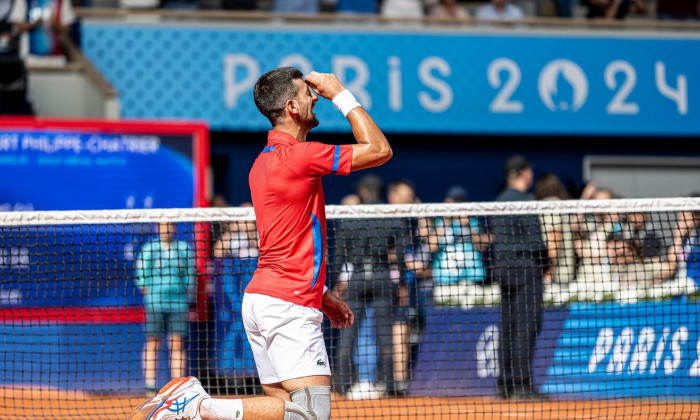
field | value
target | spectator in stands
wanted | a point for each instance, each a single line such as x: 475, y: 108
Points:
x: 296, y: 6
x: 640, y: 228
x: 351, y: 200
x: 559, y: 239
x: 41, y: 25
x: 613, y: 9
x: 518, y: 258
x: 419, y: 260
x: 370, y: 189
x: 365, y: 252
x: 356, y: 6
x: 636, y: 276
x: 458, y: 266
x: 499, y: 10
x: 401, y: 192
x: 238, y: 239
x: 683, y: 10
x: 449, y: 9
x: 165, y: 274
x: 590, y: 233
x: 219, y: 201
x: 691, y: 249
x: 402, y: 8
x: 235, y: 258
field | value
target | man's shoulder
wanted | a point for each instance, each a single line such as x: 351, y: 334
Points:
x: 510, y: 194
x: 486, y: 11
x: 514, y: 11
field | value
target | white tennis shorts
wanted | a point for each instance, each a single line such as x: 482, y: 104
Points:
x: 286, y: 338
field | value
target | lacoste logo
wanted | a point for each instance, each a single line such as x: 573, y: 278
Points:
x: 320, y: 362
x: 238, y: 414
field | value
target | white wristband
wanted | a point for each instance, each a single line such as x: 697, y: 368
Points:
x: 346, y: 102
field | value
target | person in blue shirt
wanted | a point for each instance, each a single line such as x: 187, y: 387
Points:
x: 165, y: 273
x: 691, y: 248
x: 458, y: 260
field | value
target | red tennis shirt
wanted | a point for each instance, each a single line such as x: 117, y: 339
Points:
x: 290, y: 212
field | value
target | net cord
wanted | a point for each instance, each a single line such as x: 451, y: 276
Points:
x: 76, y: 217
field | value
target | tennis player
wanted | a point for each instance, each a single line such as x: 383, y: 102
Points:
x: 284, y: 303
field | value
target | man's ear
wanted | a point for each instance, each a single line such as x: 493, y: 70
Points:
x: 292, y: 107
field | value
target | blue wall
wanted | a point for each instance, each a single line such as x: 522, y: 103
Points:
x: 434, y: 163
x: 584, y: 351
x: 420, y: 81
x: 610, y: 350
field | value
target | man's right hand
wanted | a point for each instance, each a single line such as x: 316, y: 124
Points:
x: 337, y: 310
x: 326, y: 85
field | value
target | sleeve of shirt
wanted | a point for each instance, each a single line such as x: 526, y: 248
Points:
x: 143, y: 266
x: 315, y: 159
x: 67, y: 14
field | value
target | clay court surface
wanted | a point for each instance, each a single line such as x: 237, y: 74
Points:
x: 23, y: 403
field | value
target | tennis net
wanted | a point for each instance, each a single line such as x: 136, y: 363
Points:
x: 549, y: 309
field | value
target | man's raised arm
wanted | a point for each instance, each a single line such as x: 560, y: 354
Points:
x: 372, y: 148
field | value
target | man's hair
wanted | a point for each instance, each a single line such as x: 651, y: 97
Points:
x: 403, y: 181
x: 549, y: 185
x: 273, y: 89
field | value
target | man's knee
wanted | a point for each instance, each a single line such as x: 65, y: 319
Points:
x: 310, y: 403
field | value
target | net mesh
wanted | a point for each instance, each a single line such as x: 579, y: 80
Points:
x: 549, y: 309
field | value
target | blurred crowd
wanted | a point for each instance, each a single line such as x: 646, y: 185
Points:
x: 451, y: 9
x: 590, y: 257
x: 392, y: 270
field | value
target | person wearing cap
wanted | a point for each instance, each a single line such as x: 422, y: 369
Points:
x: 518, y: 261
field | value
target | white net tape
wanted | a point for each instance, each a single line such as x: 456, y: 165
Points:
x: 352, y: 212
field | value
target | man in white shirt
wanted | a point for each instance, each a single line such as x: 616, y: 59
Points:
x: 499, y: 10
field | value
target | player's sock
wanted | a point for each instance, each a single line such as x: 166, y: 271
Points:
x: 220, y: 409
x: 151, y: 389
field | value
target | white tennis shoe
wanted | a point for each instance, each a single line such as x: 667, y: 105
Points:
x: 178, y: 400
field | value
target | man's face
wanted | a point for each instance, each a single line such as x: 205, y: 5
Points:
x: 166, y: 231
x: 637, y: 220
x: 602, y: 195
x: 402, y: 194
x: 529, y: 176
x: 306, y: 99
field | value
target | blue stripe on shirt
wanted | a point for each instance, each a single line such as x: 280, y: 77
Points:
x: 336, y: 159
x: 318, y: 247
x: 268, y: 149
